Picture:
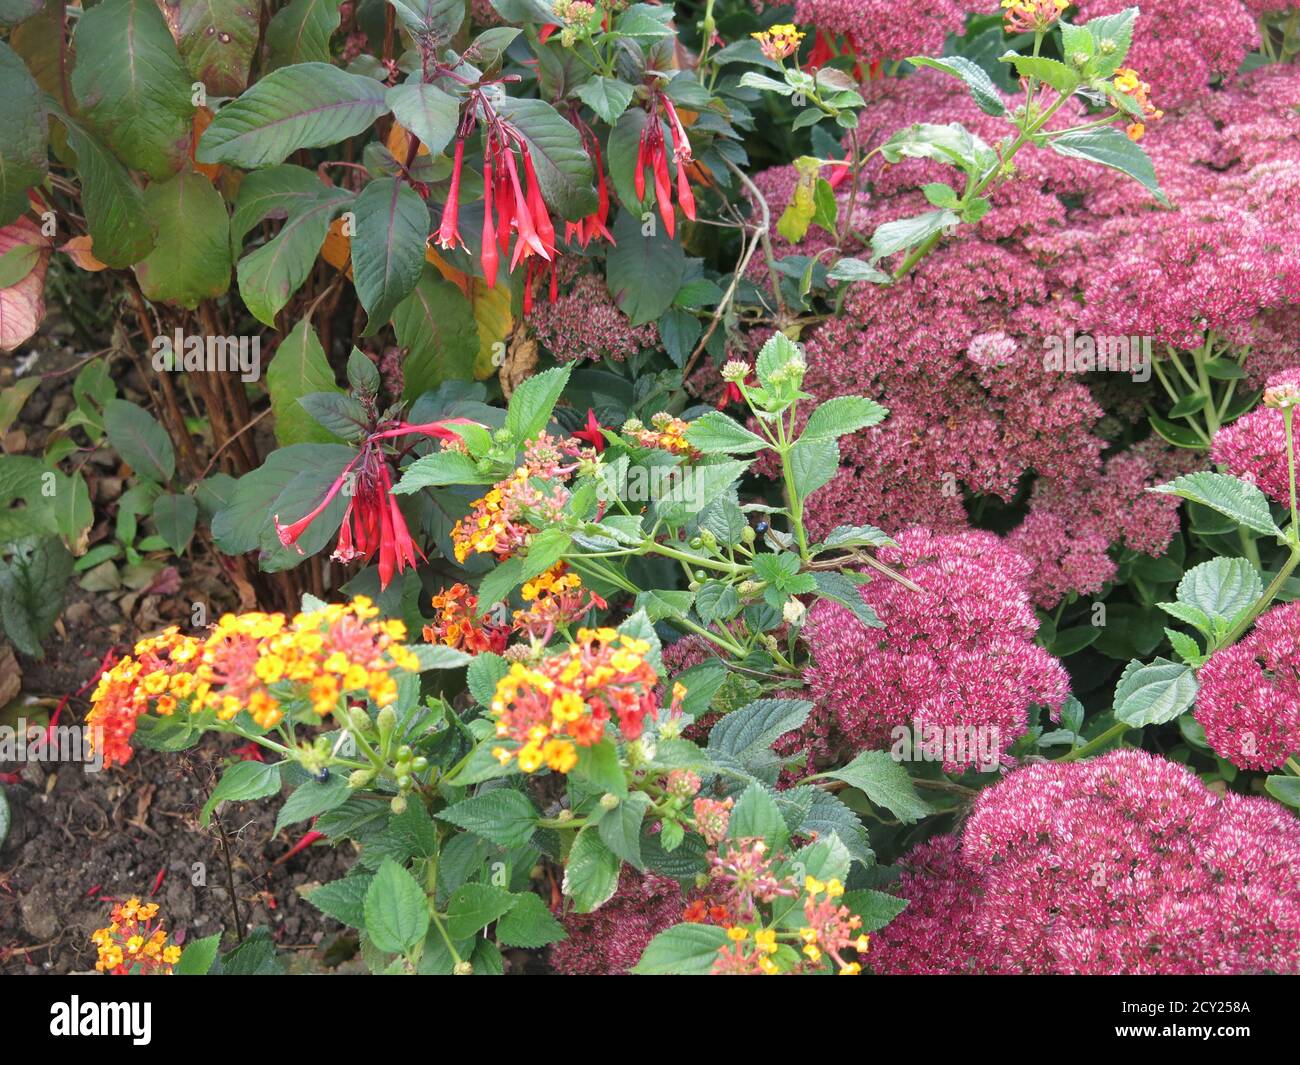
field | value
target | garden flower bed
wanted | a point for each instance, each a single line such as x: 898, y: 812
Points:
x: 588, y: 488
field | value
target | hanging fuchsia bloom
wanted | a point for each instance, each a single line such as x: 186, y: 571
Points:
x: 652, y: 152
x: 448, y: 232
x: 372, y: 522
x: 594, y: 225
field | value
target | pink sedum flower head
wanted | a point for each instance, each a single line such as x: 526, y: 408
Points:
x: 1124, y: 864
x: 882, y: 29
x: 960, y: 653
x: 609, y: 941
x: 1254, y: 447
x: 1249, y: 697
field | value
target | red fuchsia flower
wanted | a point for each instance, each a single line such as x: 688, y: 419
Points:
x: 591, y: 432
x: 825, y: 49
x: 652, y: 153
x: 373, y: 522
x: 513, y: 204
x: 448, y: 232
x: 585, y: 230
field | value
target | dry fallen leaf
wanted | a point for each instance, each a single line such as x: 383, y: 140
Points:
x: 337, y: 249
x: 520, y: 361
x: 11, y: 678
x: 80, y: 251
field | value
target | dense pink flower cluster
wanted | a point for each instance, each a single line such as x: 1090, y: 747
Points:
x: 1181, y: 48
x: 883, y: 30
x: 1124, y: 864
x: 1169, y: 285
x: 1249, y: 696
x: 1254, y: 446
x: 960, y: 653
x: 956, y: 351
x: 1070, y: 527
x: 959, y: 359
x: 610, y: 941
x: 585, y: 323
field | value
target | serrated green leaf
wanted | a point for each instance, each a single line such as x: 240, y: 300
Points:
x: 241, y: 782
x: 1110, y: 147
x: 1154, y: 693
x: 1244, y: 503
x: 885, y: 782
x: 396, y: 910
x: 502, y: 816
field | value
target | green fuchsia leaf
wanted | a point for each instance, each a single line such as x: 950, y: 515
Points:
x: 115, y: 213
x: 428, y: 112
x: 23, y: 132
x: 301, y: 32
x: 217, y: 39
x: 439, y: 18
x: 190, y: 261
x: 310, y: 105
x: 271, y: 274
x: 388, y: 247
x: 132, y: 86
x: 435, y: 323
x: 298, y: 369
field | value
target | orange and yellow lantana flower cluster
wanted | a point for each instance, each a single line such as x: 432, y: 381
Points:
x: 1031, y: 16
x: 568, y: 698
x: 1128, y: 82
x: 666, y: 433
x: 778, y: 42
x: 501, y: 521
x: 252, y: 662
x: 132, y: 944
x: 456, y: 623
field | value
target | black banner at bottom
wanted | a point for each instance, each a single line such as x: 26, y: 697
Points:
x: 161, y: 1014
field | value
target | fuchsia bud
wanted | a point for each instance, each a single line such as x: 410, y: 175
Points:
x: 448, y: 233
